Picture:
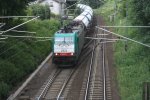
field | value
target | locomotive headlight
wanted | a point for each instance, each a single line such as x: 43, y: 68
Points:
x: 56, y: 54
x: 72, y: 54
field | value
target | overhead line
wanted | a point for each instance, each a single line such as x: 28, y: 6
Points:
x: 123, y: 37
x: 2, y: 24
x: 43, y: 40
x: 26, y: 37
x: 19, y: 25
x: 103, y: 39
x: 11, y: 47
x: 15, y: 53
x: 23, y: 31
x: 126, y: 26
x: 17, y: 16
x: 3, y: 38
x: 108, y: 42
x: 72, y: 5
x: 102, y: 34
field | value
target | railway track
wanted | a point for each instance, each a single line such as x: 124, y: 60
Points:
x: 96, y: 85
x: 46, y: 85
x: 107, y: 95
x: 88, y: 80
x: 56, y: 84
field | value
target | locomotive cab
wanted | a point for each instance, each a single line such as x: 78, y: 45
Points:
x: 64, y: 49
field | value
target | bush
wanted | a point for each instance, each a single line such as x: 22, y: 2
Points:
x: 20, y: 57
x: 4, y: 88
x: 39, y: 10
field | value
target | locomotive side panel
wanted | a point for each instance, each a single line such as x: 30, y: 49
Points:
x: 81, y: 39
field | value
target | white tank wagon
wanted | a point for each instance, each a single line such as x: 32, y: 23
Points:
x: 86, y: 15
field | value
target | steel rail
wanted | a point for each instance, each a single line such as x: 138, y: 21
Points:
x: 93, y: 78
x: 85, y: 56
x: 104, y: 73
x: 89, y: 74
x: 51, y: 80
x: 65, y: 83
x: 17, y: 16
x: 125, y: 26
x: 86, y: 45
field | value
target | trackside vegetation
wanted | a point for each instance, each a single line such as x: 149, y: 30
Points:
x: 39, y: 10
x: 19, y: 57
x: 131, y: 59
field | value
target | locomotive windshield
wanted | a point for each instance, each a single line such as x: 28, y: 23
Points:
x: 64, y: 44
x: 64, y: 39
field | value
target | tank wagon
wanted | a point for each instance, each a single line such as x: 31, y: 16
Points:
x: 68, y: 41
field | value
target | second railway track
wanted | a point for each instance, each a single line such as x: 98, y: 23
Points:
x: 98, y: 82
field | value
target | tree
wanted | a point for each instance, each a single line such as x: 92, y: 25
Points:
x: 93, y: 3
x: 39, y: 10
x: 141, y: 16
x: 13, y: 7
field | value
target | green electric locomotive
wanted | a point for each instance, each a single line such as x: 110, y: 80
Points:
x: 68, y: 41
x: 67, y: 46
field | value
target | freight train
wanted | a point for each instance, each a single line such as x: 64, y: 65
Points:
x: 69, y: 40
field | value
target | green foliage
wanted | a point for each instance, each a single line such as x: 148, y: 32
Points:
x: 4, y: 88
x: 44, y: 27
x: 13, y: 7
x: 39, y: 10
x: 133, y: 67
x: 93, y: 3
x: 106, y: 10
x: 139, y: 14
x: 123, y: 8
x: 140, y: 11
x: 20, y: 57
x: 54, y: 16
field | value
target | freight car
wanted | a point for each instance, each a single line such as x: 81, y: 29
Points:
x: 68, y: 41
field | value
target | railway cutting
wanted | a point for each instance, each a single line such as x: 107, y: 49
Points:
x: 89, y: 79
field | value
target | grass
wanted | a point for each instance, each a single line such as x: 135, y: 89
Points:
x: 106, y: 10
x: 22, y: 56
x: 133, y: 67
